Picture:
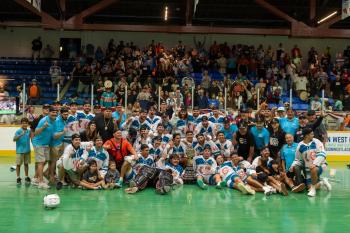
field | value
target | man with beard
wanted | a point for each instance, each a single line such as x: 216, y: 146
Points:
x: 244, y: 142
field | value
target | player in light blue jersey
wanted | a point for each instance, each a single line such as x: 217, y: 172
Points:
x: 311, y: 155
x: 289, y: 124
x: 261, y: 135
x: 205, y: 167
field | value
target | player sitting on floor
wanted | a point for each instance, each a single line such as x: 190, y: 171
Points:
x: 205, y: 167
x: 232, y: 179
x: 311, y: 156
x: 261, y: 165
x: 91, y: 177
x: 174, y: 166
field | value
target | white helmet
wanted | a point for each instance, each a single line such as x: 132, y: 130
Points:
x: 51, y: 201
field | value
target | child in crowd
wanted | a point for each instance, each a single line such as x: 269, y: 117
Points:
x: 22, y: 139
x: 91, y: 177
x: 112, y: 176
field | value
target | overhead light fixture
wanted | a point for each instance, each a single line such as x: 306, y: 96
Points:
x: 166, y: 13
x: 327, y: 17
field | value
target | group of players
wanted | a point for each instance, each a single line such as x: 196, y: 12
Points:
x: 274, y: 152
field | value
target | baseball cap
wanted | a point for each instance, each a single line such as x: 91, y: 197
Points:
x: 302, y: 116
x: 226, y: 120
x: 311, y: 112
x: 281, y: 109
x: 242, y: 124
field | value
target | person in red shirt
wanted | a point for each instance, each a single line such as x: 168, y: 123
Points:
x: 119, y: 147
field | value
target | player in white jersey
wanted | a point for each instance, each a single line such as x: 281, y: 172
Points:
x: 225, y: 146
x: 205, y: 167
x: 233, y: 181
x: 311, y: 155
x: 142, y: 138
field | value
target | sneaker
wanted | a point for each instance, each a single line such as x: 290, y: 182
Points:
x: 43, y: 185
x: 27, y: 180
x: 241, y: 187
x: 59, y: 185
x: 284, y: 190
x: 131, y: 190
x: 35, y: 181
x: 221, y: 185
x: 12, y: 168
x: 267, y: 190
x: 201, y: 184
x: 132, y: 184
x: 119, y: 184
x: 325, y: 184
x: 299, y: 188
x: 312, y: 192
x: 249, y: 190
x: 19, y: 181
x: 98, y: 188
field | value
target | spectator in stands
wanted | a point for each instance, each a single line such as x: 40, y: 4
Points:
x: 34, y: 93
x: 55, y: 73
x: 37, y: 45
x: 108, y: 98
x: 320, y: 132
x: 48, y: 52
x: 202, y: 101
x: 85, y: 80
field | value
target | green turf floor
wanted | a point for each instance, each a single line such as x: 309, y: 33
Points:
x: 186, y: 209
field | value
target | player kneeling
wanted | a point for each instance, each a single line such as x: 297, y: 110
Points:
x: 205, y: 167
x: 311, y: 156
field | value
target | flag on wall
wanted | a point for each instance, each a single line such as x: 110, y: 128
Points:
x: 345, y: 9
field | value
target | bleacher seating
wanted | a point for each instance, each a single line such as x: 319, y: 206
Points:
x: 24, y: 70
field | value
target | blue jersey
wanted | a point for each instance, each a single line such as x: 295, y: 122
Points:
x: 288, y: 154
x: 180, y: 149
x: 178, y: 170
x: 116, y: 115
x: 101, y: 156
x: 216, y: 120
x: 230, y: 131
x: 200, y: 148
x: 60, y: 124
x: 153, y: 122
x: 45, y: 137
x: 149, y: 160
x: 136, y: 124
x: 72, y: 118
x: 210, y: 130
x: 82, y: 115
x: 155, y: 152
x: 204, y: 166
x: 23, y: 143
x: 289, y: 126
x: 261, y: 137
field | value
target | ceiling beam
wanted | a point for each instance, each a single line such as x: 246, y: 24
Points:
x: 78, y: 19
x: 63, y: 5
x: 189, y: 12
x: 28, y: 6
x: 274, y: 10
x: 312, y: 10
x: 330, y: 22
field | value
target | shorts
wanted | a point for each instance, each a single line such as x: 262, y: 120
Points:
x: 230, y: 181
x: 73, y: 176
x: 208, y: 179
x: 55, y: 152
x: 23, y: 158
x: 308, y: 175
x: 42, y: 154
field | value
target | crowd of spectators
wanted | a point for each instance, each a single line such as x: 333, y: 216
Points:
x: 243, y: 69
